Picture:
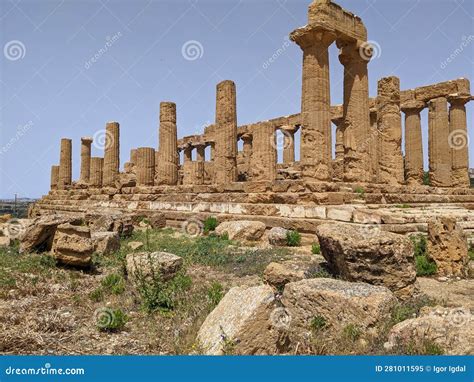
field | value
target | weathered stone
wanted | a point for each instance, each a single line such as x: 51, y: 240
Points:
x: 459, y: 141
x: 447, y: 247
x: 242, y: 229
x: 338, y: 303
x: 4, y: 241
x: 451, y: 329
x: 72, y: 245
x: 264, y: 157
x: 241, y: 323
x: 106, y: 243
x: 134, y: 245
x: 39, y: 233
x: 277, y: 236
x: 86, y: 143
x: 167, y: 166
x: 145, y: 168
x: 278, y: 275
x: 54, y: 177
x: 146, y: 264
x: 369, y: 255
x: 97, y: 165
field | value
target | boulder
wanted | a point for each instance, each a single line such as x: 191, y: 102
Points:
x: 38, y: 235
x: 373, y: 256
x: 145, y: 264
x: 242, y: 229
x: 125, y: 180
x: 277, y: 236
x: 72, y: 245
x: 134, y: 245
x: 451, y: 329
x: 336, y: 303
x: 447, y: 247
x: 245, y: 321
x: 157, y: 220
x: 4, y: 241
x: 106, y: 243
x: 111, y: 222
x: 280, y: 274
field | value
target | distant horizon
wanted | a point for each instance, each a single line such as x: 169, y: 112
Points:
x: 68, y: 67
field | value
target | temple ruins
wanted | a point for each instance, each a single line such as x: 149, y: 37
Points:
x: 360, y: 180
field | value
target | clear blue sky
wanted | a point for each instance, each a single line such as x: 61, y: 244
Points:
x: 50, y: 88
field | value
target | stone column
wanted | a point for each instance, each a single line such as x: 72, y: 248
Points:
x: 54, y: 177
x: 316, y: 145
x: 264, y: 155
x: 85, y: 159
x: 145, y: 166
x: 168, y: 151
x: 199, y: 164
x: 374, y: 147
x: 133, y: 156
x: 188, y: 168
x: 389, y: 126
x: 413, y: 143
x: 96, y: 172
x: 225, y: 163
x: 438, y: 144
x: 338, y: 165
x: 112, y: 154
x: 356, y: 113
x: 459, y: 141
x: 65, y: 164
x: 288, y: 144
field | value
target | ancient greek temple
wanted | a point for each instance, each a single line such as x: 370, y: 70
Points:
x: 249, y: 182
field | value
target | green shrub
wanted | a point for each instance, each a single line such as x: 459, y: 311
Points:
x: 114, y: 283
x: 426, y: 178
x: 352, y: 332
x: 360, y: 191
x: 210, y: 224
x: 110, y: 320
x: 293, y: 238
x: 97, y: 295
x: 316, y: 249
x: 471, y: 253
x: 317, y: 323
x: 424, y: 267
x: 215, y: 293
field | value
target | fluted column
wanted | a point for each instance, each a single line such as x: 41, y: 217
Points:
x: 168, y: 151
x: 145, y: 166
x: 65, y: 164
x: 356, y: 113
x: 389, y: 125
x: 97, y: 165
x: 199, y: 164
x: 54, y: 177
x: 288, y: 145
x: 338, y: 164
x: 225, y: 163
x: 438, y: 143
x: 374, y: 147
x: 459, y: 141
x: 85, y: 159
x: 112, y: 154
x: 316, y: 146
x: 264, y: 156
x: 413, y: 143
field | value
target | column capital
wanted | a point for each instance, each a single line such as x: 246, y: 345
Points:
x: 412, y: 107
x: 288, y: 128
x: 459, y: 99
x: 86, y: 139
x: 354, y: 52
x: 311, y: 35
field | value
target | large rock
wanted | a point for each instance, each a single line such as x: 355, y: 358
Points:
x: 294, y: 269
x: 4, y: 241
x: 145, y: 264
x: 244, y: 322
x: 111, y: 222
x: 242, y: 229
x: 277, y: 236
x: 451, y: 329
x: 38, y: 235
x: 369, y: 255
x: 106, y: 243
x: 336, y: 303
x: 72, y: 245
x: 447, y: 247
